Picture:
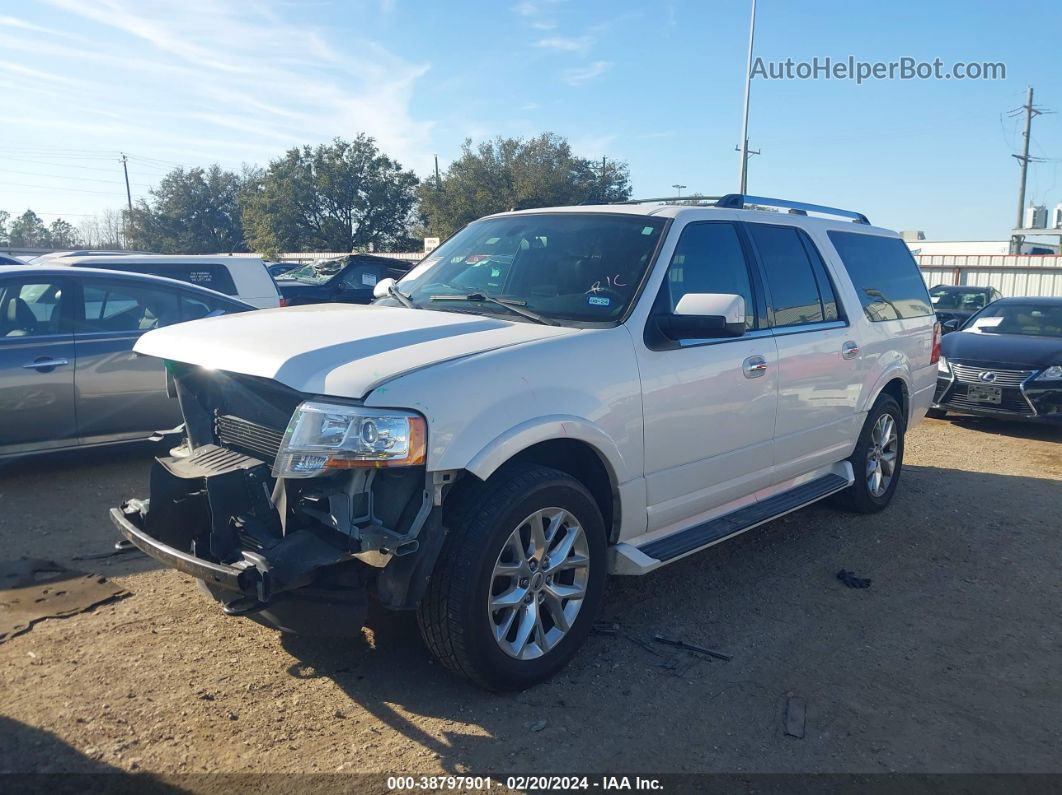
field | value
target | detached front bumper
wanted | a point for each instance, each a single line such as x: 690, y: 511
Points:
x: 129, y: 520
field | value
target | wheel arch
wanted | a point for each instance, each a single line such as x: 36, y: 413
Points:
x: 578, y: 449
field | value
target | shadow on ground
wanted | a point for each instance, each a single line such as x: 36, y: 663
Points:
x: 941, y: 665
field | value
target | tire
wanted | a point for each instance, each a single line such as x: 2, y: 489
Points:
x: 862, y: 496
x: 936, y: 414
x: 488, y: 531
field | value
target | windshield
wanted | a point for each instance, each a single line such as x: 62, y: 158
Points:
x: 579, y: 267
x: 1035, y: 320
x: 963, y: 300
x: 317, y: 272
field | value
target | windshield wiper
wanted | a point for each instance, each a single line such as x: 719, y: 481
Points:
x: 400, y: 296
x: 519, y: 307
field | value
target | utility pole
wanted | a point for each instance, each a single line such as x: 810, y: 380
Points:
x: 438, y: 183
x: 128, y: 194
x: 743, y: 176
x: 679, y: 189
x: 1024, y: 159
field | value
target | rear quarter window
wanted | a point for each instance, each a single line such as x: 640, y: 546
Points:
x: 885, y: 275
x: 215, y: 277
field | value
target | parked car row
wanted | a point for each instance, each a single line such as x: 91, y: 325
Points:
x: 68, y: 373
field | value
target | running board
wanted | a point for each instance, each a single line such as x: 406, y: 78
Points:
x: 715, y: 530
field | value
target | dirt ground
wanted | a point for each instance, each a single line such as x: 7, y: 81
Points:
x: 948, y: 662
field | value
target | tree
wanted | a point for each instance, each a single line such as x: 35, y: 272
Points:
x: 342, y: 196
x: 193, y: 211
x: 4, y: 238
x: 517, y: 173
x: 61, y: 234
x: 28, y: 230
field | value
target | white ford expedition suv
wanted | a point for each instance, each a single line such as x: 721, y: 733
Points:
x: 550, y: 397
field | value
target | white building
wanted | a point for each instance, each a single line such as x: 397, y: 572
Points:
x: 976, y: 247
x: 1035, y: 217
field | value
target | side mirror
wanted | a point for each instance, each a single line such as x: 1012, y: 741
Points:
x: 705, y: 315
x: 382, y: 288
x: 949, y: 325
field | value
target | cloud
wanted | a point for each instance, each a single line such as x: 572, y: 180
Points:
x: 240, y: 74
x: 566, y: 44
x: 584, y: 74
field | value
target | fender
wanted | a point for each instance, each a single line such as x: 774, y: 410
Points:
x: 555, y: 426
x: 898, y: 368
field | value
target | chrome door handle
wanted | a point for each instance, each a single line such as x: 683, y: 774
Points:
x: 754, y: 367
x: 849, y: 350
x: 41, y: 364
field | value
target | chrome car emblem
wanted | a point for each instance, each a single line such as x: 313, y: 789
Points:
x: 988, y: 376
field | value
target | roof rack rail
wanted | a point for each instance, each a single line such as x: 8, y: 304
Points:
x: 674, y: 199
x: 738, y: 201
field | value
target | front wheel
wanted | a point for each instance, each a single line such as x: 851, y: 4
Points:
x: 519, y: 579
x: 877, y: 458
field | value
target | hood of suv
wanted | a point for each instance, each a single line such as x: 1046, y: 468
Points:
x: 336, y: 349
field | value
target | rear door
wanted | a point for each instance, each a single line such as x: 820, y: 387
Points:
x: 36, y: 365
x: 709, y: 404
x: 120, y: 394
x: 820, y: 368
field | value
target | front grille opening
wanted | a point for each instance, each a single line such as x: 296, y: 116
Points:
x: 248, y: 437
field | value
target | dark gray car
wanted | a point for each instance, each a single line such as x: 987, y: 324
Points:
x: 68, y: 374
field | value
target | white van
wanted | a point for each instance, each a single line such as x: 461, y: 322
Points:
x: 245, y: 278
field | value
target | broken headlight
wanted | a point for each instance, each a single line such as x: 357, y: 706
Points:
x: 328, y: 436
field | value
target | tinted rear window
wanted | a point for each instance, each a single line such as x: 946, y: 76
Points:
x: 215, y: 277
x: 885, y: 275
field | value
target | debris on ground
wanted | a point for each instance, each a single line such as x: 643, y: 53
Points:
x: 850, y: 579
x: 795, y: 716
x: 32, y: 589
x: 681, y: 644
x: 606, y: 628
x: 538, y: 726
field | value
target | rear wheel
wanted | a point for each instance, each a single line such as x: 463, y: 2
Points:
x: 877, y: 458
x: 519, y: 578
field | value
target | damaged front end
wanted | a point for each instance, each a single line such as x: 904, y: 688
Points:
x: 298, y: 540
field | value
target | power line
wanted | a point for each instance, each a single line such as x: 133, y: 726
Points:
x: 64, y: 190
x: 64, y: 177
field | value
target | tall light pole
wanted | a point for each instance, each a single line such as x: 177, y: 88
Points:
x: 743, y: 178
x: 679, y: 189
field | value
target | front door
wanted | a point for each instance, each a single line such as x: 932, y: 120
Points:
x: 709, y: 405
x: 120, y: 394
x: 36, y: 366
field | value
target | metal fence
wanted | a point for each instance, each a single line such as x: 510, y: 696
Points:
x: 1012, y: 275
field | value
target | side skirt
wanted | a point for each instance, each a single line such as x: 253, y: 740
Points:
x: 630, y: 559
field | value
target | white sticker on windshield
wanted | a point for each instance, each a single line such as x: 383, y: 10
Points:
x: 986, y: 322
x: 597, y: 300
x: 934, y: 298
x: 369, y: 279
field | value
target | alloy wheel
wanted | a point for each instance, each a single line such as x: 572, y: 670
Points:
x: 881, y: 456
x: 539, y: 583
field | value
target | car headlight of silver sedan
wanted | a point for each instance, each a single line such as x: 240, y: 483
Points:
x: 1052, y: 373
x: 323, y: 437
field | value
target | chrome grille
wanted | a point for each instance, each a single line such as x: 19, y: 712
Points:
x: 1012, y: 402
x: 972, y: 375
x: 242, y: 434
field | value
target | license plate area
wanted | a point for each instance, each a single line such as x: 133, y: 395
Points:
x: 984, y: 393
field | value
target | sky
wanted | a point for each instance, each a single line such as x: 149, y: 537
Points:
x: 655, y: 83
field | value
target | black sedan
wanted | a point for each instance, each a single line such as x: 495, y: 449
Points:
x: 348, y: 280
x: 955, y: 304
x: 1005, y: 362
